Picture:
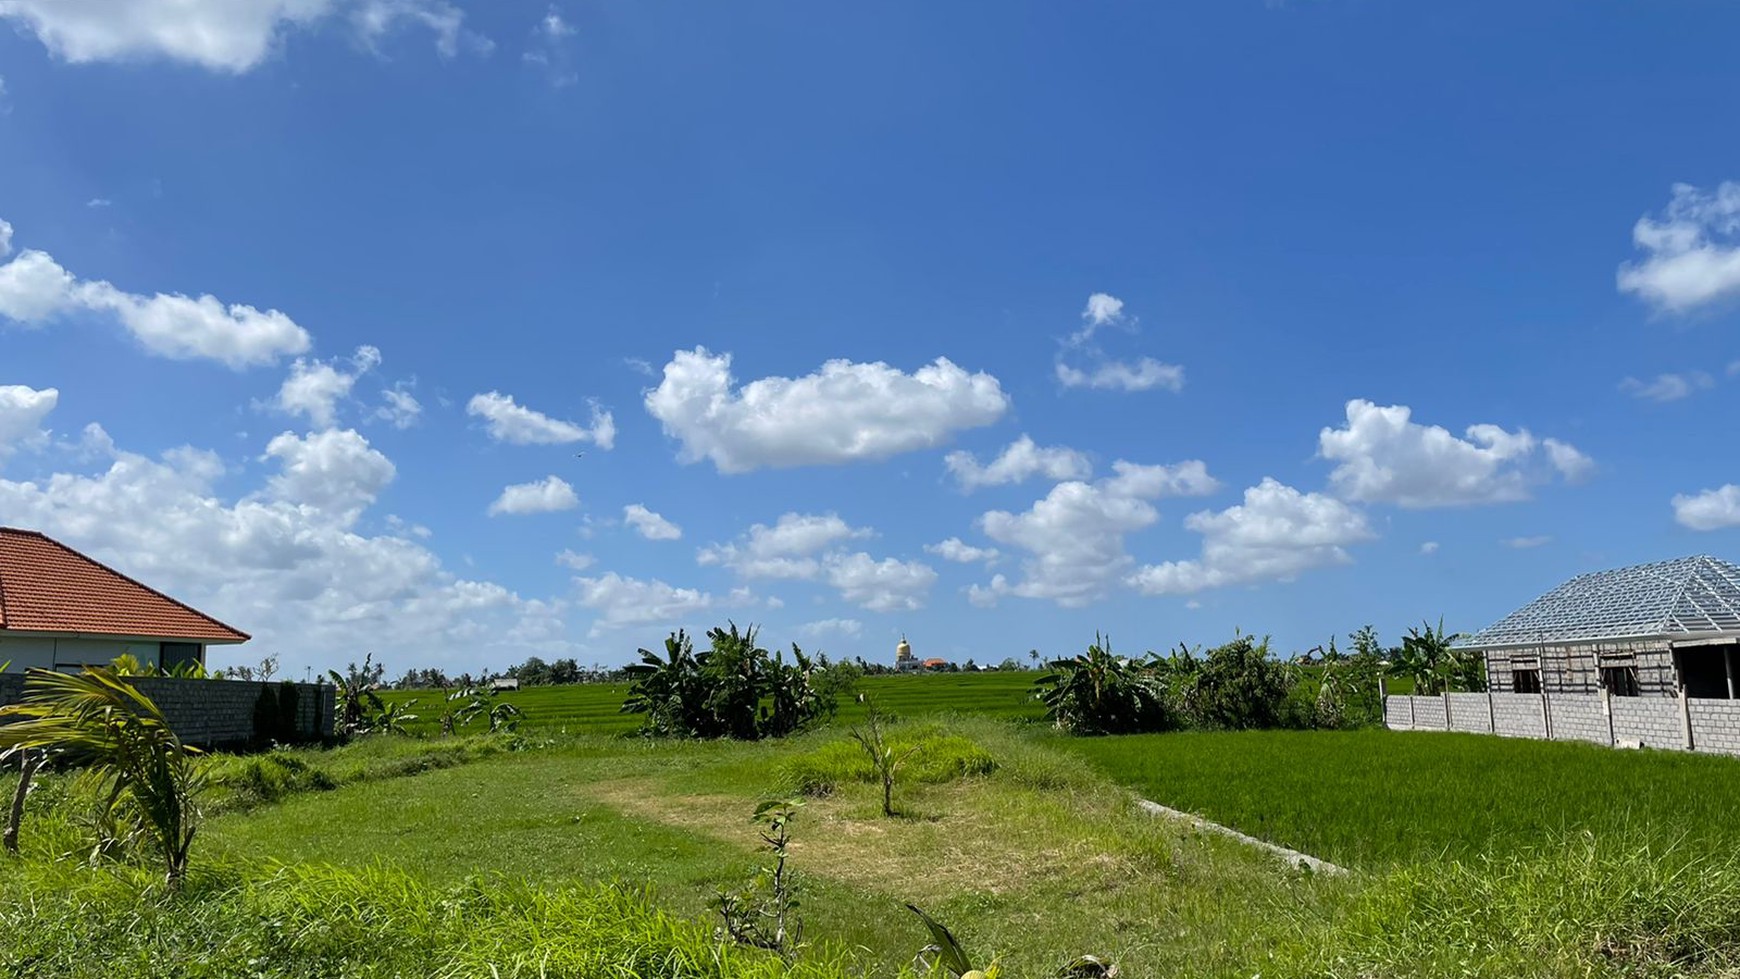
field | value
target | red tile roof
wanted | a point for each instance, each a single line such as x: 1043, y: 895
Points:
x: 46, y: 586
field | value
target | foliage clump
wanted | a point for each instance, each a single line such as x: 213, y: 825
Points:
x: 143, y: 779
x: 733, y: 689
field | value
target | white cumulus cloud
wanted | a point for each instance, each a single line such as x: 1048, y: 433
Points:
x: 1143, y: 374
x: 35, y: 289
x: 787, y: 549
x: 1668, y: 387
x: 1104, y: 372
x: 1276, y: 534
x: 849, y: 628
x: 1020, y: 461
x: 508, y: 421
x: 220, y: 35
x: 551, y: 494
x: 315, y: 388
x: 286, y: 562
x: 959, y: 551
x: 1712, y: 509
x: 22, y: 410
x: 649, y: 524
x: 1691, y: 251
x: 888, y: 585
x: 844, y: 412
x: 335, y: 471
x: 622, y: 602
x: 1383, y: 456
x: 1074, y: 536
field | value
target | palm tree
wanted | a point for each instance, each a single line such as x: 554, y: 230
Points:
x: 143, y: 776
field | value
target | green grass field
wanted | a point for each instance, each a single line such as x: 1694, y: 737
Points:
x: 1376, y: 798
x: 595, y: 708
x: 510, y: 855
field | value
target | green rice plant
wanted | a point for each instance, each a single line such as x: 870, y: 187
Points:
x: 144, y: 778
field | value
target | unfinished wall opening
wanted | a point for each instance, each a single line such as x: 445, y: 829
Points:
x: 1619, y: 677
x: 1525, y: 676
x: 1707, y: 671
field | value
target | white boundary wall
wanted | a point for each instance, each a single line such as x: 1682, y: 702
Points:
x: 1677, y: 723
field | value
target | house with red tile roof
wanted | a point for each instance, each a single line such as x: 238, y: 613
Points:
x: 62, y: 610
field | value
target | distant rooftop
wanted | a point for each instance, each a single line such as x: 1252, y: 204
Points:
x: 1690, y: 596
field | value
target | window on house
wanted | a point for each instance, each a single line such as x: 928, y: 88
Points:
x: 1620, y: 679
x: 1526, y: 679
x: 1704, y: 671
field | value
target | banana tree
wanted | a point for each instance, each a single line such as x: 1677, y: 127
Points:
x: 1099, y: 692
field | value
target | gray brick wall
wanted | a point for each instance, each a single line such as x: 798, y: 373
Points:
x: 1518, y: 715
x: 1575, y: 669
x: 1716, y: 726
x: 1652, y: 721
x: 1470, y: 712
x: 221, y: 713
x: 1397, y: 715
x: 1579, y: 718
x: 1429, y: 714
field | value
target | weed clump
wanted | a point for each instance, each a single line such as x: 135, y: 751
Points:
x: 940, y: 757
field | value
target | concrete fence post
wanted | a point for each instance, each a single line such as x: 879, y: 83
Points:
x: 1546, y: 715
x: 1491, y: 711
x: 1449, y: 722
x: 1607, y: 708
x: 1686, y: 717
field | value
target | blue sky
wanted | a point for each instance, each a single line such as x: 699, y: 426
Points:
x: 992, y: 325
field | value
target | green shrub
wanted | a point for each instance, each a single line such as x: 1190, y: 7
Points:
x: 941, y: 757
x: 734, y: 689
x: 1239, y: 686
x: 1099, y: 692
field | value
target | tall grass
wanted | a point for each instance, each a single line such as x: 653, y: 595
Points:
x: 63, y: 920
x: 1572, y: 907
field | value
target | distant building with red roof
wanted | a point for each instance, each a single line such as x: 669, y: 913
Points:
x: 62, y: 610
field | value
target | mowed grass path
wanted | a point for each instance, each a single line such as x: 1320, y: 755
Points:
x: 596, y: 708
x: 1375, y: 798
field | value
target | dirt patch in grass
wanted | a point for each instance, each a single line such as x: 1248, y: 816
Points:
x: 964, y: 837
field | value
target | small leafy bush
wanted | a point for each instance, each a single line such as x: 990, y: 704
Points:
x: 1240, y: 686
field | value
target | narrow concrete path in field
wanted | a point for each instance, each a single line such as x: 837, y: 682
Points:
x: 1293, y: 857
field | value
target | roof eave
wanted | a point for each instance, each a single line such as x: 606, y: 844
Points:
x: 124, y: 637
x: 1664, y: 637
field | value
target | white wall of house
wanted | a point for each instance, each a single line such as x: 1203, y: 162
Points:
x: 20, y: 653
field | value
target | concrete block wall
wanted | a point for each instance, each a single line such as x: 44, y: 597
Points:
x: 1429, y: 714
x: 1398, y: 713
x: 1579, y: 719
x: 1654, y: 722
x: 219, y: 713
x: 1715, y: 726
x: 1471, y: 712
x: 1518, y: 715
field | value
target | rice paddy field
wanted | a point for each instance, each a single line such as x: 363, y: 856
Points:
x: 575, y: 849
x: 595, y: 708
